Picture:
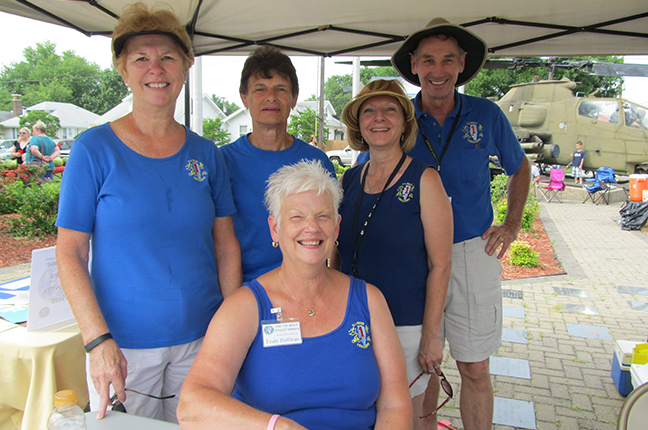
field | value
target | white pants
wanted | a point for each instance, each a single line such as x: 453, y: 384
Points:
x: 159, y: 372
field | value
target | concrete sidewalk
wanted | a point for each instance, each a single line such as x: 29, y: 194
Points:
x: 553, y: 369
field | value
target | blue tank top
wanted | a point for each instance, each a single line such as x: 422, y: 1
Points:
x: 327, y: 382
x: 392, y: 255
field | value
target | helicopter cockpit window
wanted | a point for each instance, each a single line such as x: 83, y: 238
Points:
x: 635, y: 116
x: 607, y: 111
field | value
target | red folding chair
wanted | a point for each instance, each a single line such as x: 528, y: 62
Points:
x: 555, y: 186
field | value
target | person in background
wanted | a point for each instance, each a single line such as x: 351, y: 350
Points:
x: 153, y: 201
x: 20, y: 145
x: 457, y: 134
x: 42, y: 150
x: 396, y: 232
x: 269, y: 89
x: 313, y: 141
x: 337, y: 365
x: 578, y: 160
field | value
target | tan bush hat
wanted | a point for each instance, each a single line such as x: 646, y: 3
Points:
x: 475, y: 47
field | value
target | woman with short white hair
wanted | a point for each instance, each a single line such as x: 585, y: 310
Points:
x: 302, y: 346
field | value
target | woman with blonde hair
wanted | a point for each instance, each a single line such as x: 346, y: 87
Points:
x: 155, y: 199
x: 42, y: 150
x: 20, y: 145
x: 396, y: 232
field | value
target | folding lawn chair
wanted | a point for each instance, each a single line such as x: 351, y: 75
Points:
x: 554, y: 186
x: 600, y: 190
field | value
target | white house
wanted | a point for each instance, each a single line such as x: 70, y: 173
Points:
x: 239, y: 123
x: 73, y: 120
x: 210, y: 109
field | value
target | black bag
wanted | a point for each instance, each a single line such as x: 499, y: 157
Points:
x: 633, y: 215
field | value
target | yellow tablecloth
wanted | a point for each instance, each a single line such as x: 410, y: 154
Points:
x: 33, y: 367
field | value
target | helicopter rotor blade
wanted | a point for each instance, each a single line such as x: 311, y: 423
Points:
x: 620, y: 69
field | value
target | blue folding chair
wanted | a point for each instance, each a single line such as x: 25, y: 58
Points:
x: 600, y: 190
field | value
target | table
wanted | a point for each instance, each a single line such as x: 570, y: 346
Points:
x: 121, y: 421
x: 33, y: 367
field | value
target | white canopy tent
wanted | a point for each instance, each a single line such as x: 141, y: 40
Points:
x: 374, y: 27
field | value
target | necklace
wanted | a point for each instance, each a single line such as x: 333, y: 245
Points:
x: 368, y: 189
x: 311, y: 311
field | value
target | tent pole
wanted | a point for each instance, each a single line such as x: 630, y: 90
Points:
x: 197, y: 95
x: 187, y: 94
x: 321, y: 105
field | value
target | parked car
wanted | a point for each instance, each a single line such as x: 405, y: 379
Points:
x: 65, y: 145
x: 6, y: 146
x: 342, y: 157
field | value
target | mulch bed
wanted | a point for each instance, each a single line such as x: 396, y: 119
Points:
x: 16, y: 250
x: 538, y: 241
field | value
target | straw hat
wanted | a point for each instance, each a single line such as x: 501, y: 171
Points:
x: 475, y: 47
x: 380, y: 87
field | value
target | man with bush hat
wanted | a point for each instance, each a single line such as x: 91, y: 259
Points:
x: 457, y: 134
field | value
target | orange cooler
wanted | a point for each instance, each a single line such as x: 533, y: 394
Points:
x: 638, y: 183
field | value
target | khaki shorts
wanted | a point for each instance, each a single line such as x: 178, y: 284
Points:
x: 472, y: 321
x: 410, y: 339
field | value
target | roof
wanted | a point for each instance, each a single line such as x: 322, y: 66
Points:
x: 69, y: 115
x: 126, y: 106
x: 376, y: 27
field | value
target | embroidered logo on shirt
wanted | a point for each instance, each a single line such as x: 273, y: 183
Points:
x: 473, y: 131
x: 360, y: 333
x: 405, y: 192
x: 196, y: 170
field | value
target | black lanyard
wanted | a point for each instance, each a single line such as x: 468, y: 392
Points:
x: 447, y: 143
x: 359, y: 236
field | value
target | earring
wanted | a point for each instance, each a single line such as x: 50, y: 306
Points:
x: 336, y: 243
x: 402, y: 137
x: 275, y: 244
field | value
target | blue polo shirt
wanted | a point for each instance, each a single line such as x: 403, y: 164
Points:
x: 482, y: 131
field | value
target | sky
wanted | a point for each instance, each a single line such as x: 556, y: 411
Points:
x: 221, y: 74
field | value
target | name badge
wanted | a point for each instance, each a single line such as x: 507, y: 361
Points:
x: 281, y: 333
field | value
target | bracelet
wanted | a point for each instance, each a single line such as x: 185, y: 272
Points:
x: 273, y: 421
x: 97, y: 341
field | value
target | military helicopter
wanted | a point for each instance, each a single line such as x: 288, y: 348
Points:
x: 549, y: 119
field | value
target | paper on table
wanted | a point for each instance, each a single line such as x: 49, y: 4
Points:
x: 48, y: 306
x: 14, y: 314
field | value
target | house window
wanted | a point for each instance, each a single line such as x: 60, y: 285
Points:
x: 243, y: 130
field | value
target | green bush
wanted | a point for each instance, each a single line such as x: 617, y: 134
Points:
x: 339, y: 169
x: 37, y: 213
x: 521, y: 254
x: 498, y: 189
x: 11, y: 197
x: 531, y: 210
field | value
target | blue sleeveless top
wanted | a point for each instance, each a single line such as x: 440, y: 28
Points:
x: 392, y: 255
x: 328, y: 382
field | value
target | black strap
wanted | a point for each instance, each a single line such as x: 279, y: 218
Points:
x: 447, y: 142
x: 93, y: 343
x: 360, y: 235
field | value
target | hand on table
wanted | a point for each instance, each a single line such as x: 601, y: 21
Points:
x: 108, y: 366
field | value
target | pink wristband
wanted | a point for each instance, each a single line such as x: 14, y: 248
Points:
x: 273, y: 421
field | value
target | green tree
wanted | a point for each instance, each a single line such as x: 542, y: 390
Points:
x: 226, y: 106
x: 106, y: 93
x: 497, y: 82
x: 303, y: 124
x: 52, y: 123
x: 213, y: 129
x: 67, y: 78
